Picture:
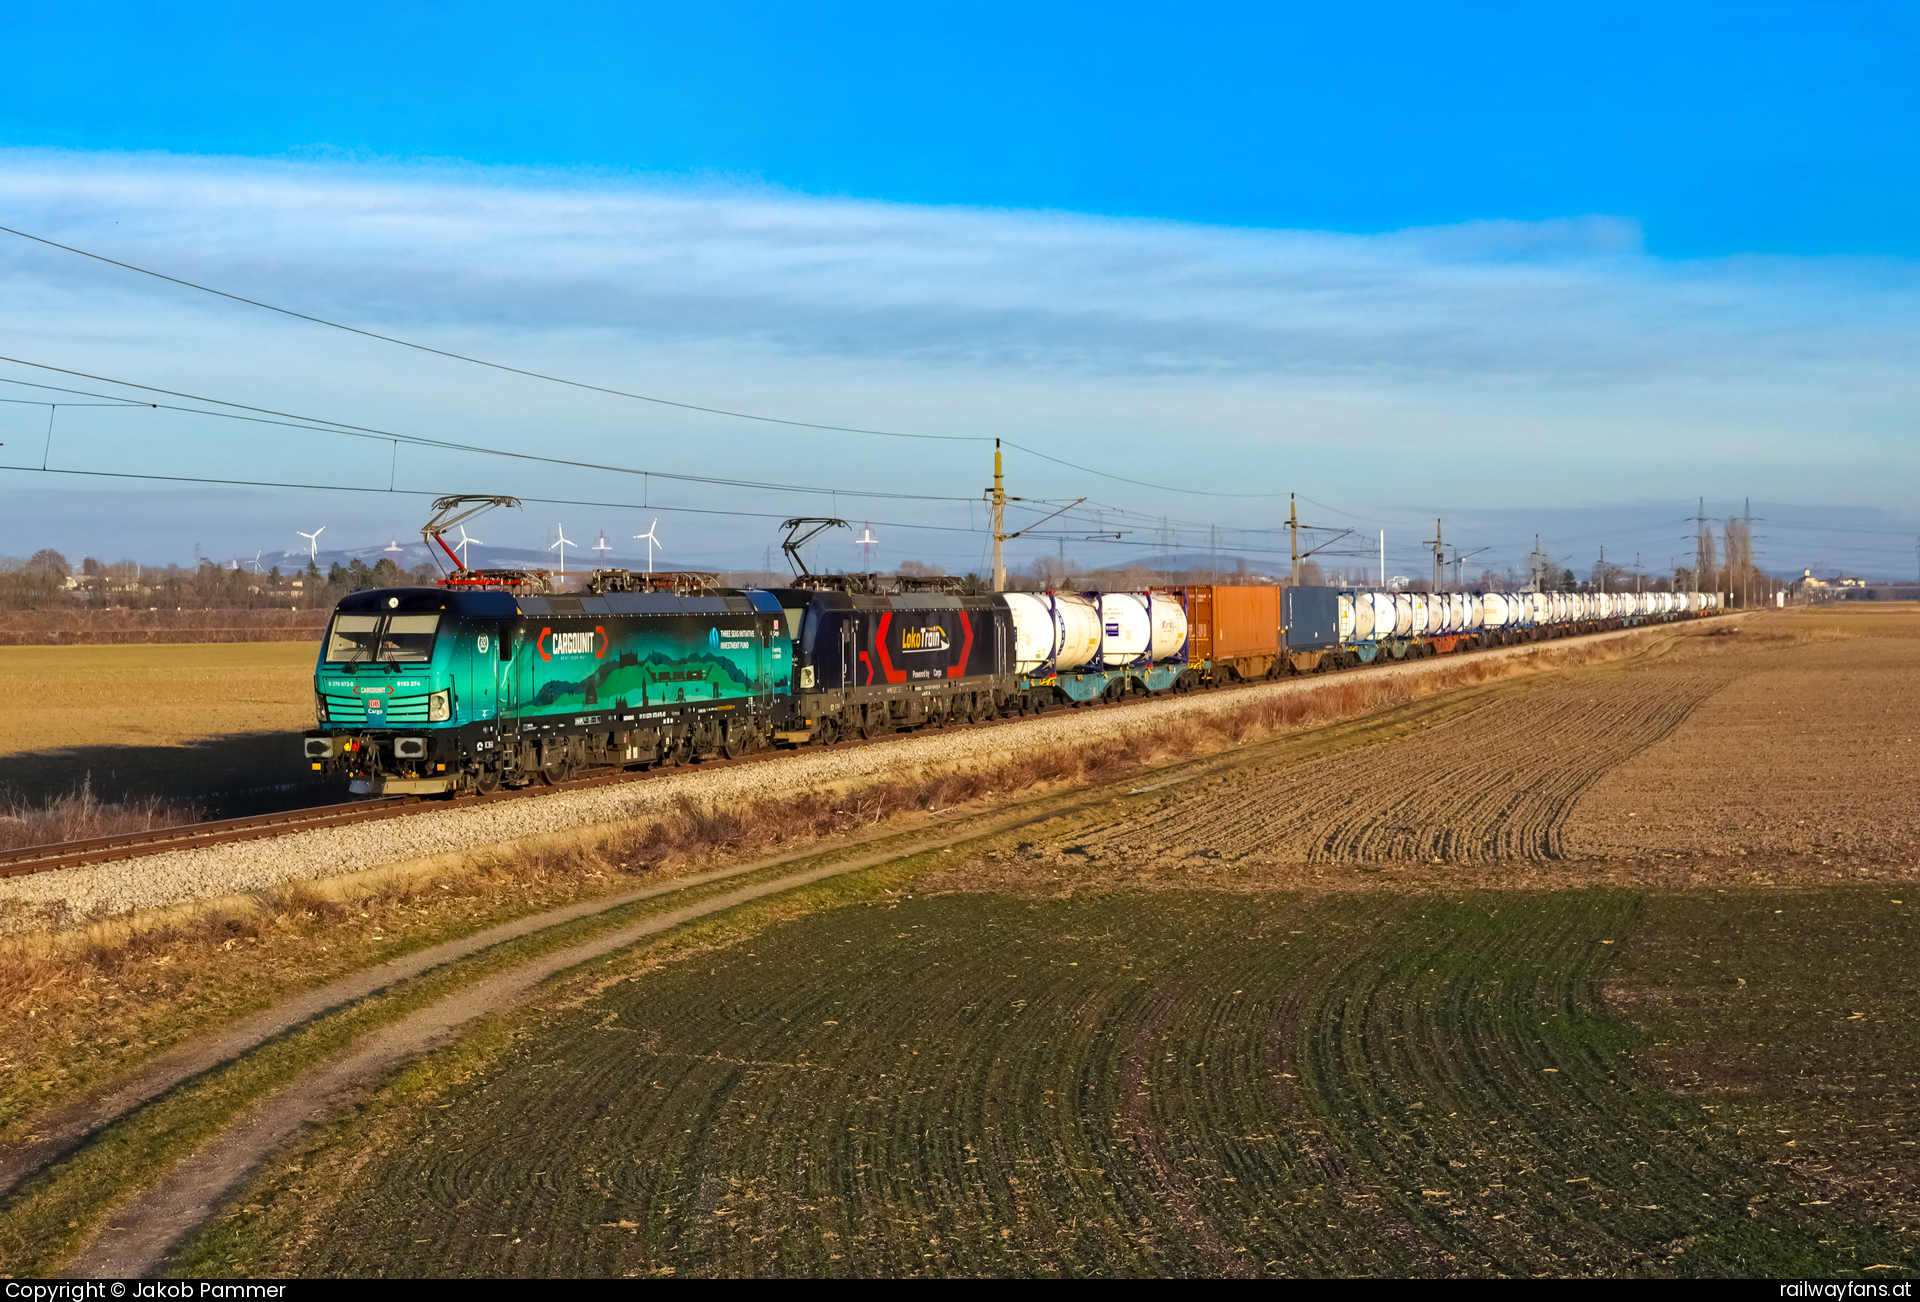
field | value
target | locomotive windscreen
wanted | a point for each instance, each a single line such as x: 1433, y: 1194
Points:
x: 400, y: 639
x: 351, y: 638
x: 408, y: 638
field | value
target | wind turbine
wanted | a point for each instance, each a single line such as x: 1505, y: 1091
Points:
x: 393, y: 545
x: 866, y: 542
x: 462, y: 545
x: 256, y: 559
x: 649, y: 539
x: 564, y: 543
x: 313, y: 540
x: 603, y: 547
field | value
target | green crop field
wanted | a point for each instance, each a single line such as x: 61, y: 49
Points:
x: 1580, y: 1082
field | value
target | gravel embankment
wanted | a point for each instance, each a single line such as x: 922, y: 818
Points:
x: 245, y: 866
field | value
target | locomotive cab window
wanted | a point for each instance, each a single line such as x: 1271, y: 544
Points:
x: 351, y: 638
x: 408, y: 638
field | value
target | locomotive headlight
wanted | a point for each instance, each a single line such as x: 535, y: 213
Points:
x: 319, y: 708
x: 440, y: 707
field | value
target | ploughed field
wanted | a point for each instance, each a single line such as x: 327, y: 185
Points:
x: 1597, y: 973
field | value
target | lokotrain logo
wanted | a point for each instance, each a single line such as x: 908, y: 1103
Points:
x: 933, y: 638
x: 553, y: 644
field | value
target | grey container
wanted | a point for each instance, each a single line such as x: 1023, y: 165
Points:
x: 1310, y: 618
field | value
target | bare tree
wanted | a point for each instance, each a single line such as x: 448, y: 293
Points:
x: 1739, y: 535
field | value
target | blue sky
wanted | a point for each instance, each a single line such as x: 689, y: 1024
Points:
x: 1719, y: 128
x: 1409, y: 260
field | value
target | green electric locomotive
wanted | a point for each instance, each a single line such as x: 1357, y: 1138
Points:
x: 430, y: 690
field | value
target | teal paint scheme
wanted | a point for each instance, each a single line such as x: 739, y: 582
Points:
x: 476, y: 678
x: 587, y: 654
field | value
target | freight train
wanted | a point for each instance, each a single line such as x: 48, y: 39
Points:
x: 476, y: 684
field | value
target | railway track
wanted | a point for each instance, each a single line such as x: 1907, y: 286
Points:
x: 191, y: 836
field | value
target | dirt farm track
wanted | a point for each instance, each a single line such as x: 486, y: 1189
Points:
x: 1599, y: 969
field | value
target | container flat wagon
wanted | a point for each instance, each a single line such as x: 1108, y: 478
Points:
x: 468, y: 686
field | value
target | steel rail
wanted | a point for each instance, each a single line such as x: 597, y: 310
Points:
x: 191, y: 836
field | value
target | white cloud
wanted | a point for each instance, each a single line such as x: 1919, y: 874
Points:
x: 1487, y: 364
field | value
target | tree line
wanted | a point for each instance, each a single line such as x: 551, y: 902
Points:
x: 48, y: 581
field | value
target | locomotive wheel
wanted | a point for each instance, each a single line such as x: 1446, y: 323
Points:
x: 732, y: 744
x: 487, y: 779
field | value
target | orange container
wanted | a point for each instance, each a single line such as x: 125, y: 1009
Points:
x: 1233, y: 625
x: 1246, y: 622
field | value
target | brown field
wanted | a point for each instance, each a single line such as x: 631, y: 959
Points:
x: 1810, y: 750
x: 1777, y: 752
x: 179, y: 722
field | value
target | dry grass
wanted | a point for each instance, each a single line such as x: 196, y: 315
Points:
x: 80, y: 815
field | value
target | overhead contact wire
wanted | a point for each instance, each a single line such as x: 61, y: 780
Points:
x: 596, y: 388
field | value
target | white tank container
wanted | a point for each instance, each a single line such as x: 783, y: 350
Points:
x: 1363, y: 617
x: 1439, y: 613
x: 1345, y: 603
x: 1169, y: 626
x: 1402, y: 614
x: 1385, y: 616
x: 1493, y: 610
x: 1538, y: 611
x: 1471, y: 611
x: 1126, y: 635
x: 1422, y: 615
x: 1077, y: 630
x: 1035, y: 635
